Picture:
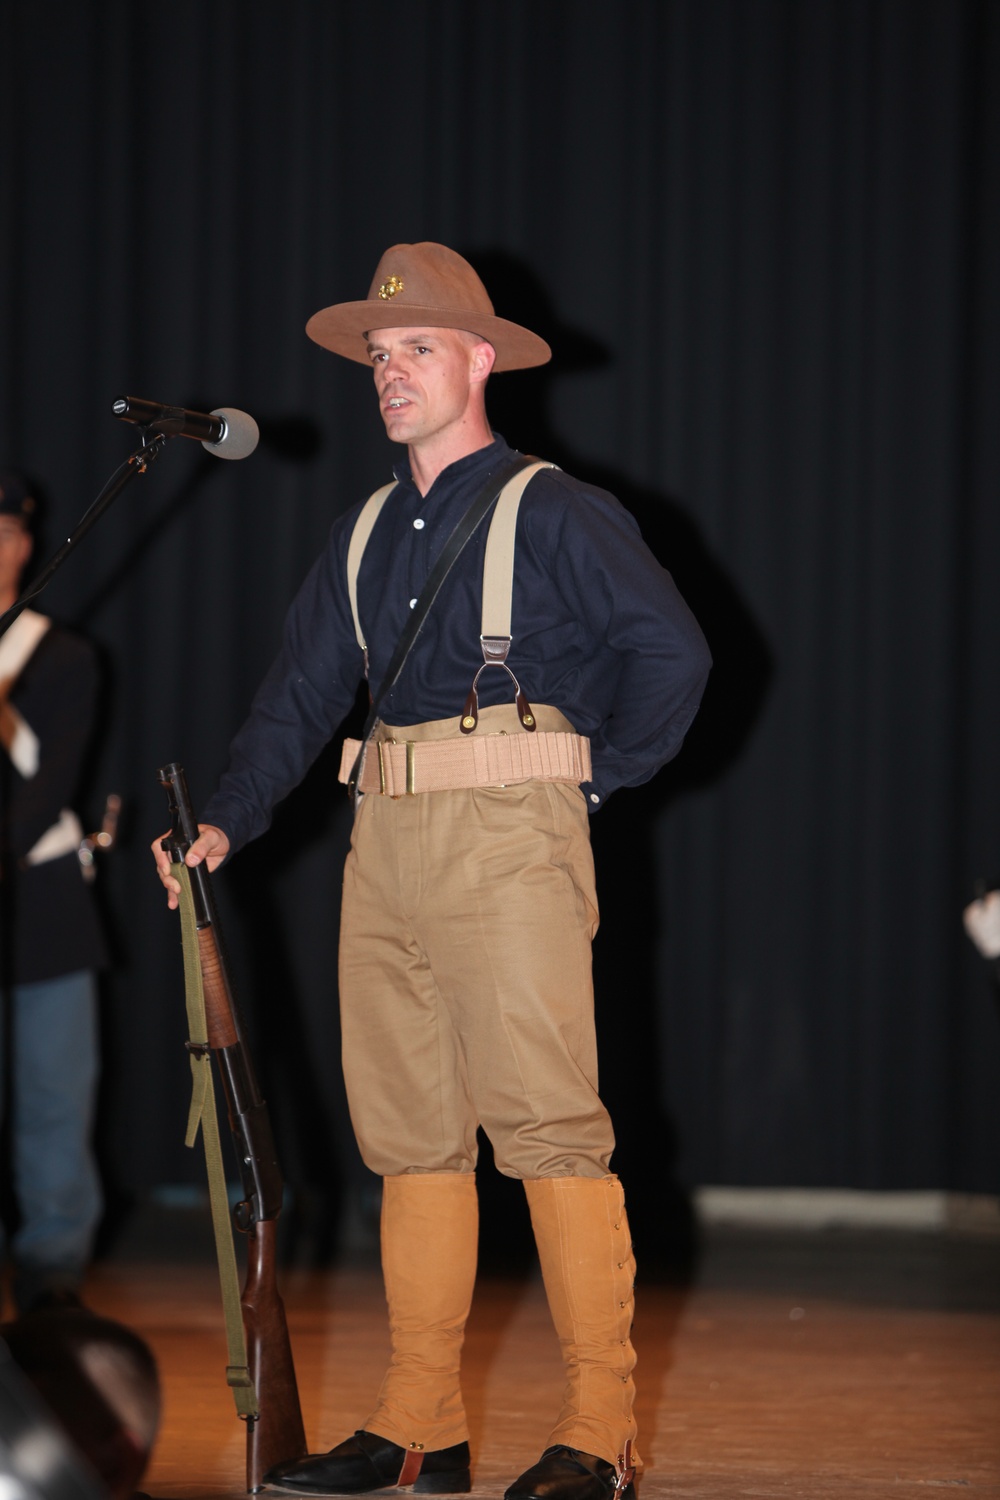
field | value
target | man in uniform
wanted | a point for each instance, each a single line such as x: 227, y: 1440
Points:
x: 469, y: 903
x: 51, y: 943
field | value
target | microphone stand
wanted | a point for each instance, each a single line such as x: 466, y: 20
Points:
x: 137, y: 463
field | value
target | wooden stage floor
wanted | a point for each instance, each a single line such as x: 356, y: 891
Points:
x: 797, y: 1364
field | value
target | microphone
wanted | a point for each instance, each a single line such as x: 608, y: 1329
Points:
x: 226, y: 432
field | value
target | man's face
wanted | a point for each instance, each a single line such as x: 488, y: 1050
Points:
x: 15, y: 549
x: 425, y: 378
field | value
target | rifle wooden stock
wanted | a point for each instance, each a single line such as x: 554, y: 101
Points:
x: 218, y: 1009
x: 269, y: 1355
x: 277, y: 1433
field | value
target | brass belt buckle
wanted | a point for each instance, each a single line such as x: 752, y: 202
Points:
x: 381, y: 766
x: 411, y: 769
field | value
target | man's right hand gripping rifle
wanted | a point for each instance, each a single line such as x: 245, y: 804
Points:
x: 211, y: 845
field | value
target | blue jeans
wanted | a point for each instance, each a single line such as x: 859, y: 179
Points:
x: 53, y: 1079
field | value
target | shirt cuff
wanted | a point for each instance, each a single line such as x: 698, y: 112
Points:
x: 596, y: 798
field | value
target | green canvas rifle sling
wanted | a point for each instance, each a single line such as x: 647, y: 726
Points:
x: 203, y: 1112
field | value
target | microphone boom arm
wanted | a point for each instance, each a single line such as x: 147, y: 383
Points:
x: 137, y: 463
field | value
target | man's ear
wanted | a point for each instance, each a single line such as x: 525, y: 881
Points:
x: 483, y: 359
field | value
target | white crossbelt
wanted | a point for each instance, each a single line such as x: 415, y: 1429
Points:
x: 16, y: 648
x: 398, y: 768
x: 64, y: 837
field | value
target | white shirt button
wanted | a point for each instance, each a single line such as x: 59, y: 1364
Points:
x: 594, y: 797
x: 418, y: 524
x: 413, y: 603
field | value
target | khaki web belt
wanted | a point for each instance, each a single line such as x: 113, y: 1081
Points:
x: 406, y: 768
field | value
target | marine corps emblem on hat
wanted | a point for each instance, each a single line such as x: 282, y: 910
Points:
x: 425, y: 286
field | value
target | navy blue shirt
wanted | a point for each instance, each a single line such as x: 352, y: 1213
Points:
x: 599, y: 631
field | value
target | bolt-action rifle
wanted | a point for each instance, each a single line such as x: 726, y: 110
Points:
x: 277, y: 1432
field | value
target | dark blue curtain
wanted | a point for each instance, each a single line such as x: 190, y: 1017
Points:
x: 762, y: 236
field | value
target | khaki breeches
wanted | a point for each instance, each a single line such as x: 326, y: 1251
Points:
x: 465, y: 976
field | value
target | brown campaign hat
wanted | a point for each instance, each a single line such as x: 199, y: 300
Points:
x: 425, y: 286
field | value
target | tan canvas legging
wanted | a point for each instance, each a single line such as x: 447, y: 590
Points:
x: 465, y: 976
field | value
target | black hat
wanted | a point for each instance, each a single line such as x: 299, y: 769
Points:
x: 16, y: 498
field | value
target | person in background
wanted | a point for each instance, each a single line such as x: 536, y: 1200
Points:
x: 981, y: 920
x: 50, y: 938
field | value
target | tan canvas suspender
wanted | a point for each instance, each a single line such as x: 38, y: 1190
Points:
x: 355, y: 551
x: 498, y: 567
x: 498, y: 589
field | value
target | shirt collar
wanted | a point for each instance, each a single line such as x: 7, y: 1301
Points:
x: 472, y: 466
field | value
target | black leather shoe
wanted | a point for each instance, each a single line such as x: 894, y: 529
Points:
x: 567, y: 1474
x: 369, y: 1462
